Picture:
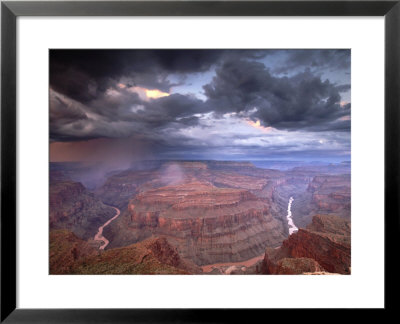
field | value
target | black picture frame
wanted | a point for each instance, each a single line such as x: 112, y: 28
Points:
x: 10, y: 10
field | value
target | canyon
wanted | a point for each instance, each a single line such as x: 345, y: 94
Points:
x: 99, y: 235
x: 73, y: 207
x: 216, y: 217
x: 207, y: 224
x: 324, y: 245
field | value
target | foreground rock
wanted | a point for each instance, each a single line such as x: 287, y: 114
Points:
x: 295, y: 266
x: 65, y: 251
x: 241, y: 267
x: 71, y: 255
x: 323, y: 246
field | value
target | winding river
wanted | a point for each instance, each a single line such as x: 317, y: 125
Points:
x: 99, y: 236
x: 292, y: 228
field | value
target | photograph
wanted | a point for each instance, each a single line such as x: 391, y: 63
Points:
x: 199, y: 161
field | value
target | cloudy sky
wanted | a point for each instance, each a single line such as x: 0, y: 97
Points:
x: 200, y: 104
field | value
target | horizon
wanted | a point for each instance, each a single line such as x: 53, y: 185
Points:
x: 214, y: 160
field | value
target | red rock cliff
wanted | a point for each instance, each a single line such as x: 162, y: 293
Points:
x: 326, y: 241
x: 207, y: 224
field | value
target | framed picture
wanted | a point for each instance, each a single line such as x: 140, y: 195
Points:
x: 180, y: 155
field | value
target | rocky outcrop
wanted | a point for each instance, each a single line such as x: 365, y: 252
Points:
x: 121, y: 187
x: 71, y: 255
x: 296, y: 266
x: 326, y: 241
x: 331, y: 194
x: 207, y: 224
x: 165, y: 253
x: 323, y: 194
x: 74, y: 208
x: 66, y: 249
x: 234, y: 180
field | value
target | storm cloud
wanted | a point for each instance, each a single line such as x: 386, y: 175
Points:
x: 83, y: 74
x: 318, y: 60
x: 303, y: 101
x: 185, y: 103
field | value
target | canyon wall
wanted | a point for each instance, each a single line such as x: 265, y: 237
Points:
x: 74, y: 208
x: 207, y: 224
x: 326, y: 241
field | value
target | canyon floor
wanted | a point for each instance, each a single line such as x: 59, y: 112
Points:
x: 200, y: 217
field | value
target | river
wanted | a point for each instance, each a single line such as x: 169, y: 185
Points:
x: 292, y: 228
x: 99, y: 236
x: 246, y: 263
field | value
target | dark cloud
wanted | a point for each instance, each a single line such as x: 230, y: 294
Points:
x: 174, y: 108
x: 83, y: 74
x: 64, y: 111
x: 121, y: 114
x: 303, y: 101
x: 330, y: 59
x: 101, y: 95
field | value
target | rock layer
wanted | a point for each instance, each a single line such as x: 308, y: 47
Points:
x: 326, y: 241
x: 331, y: 194
x: 65, y: 251
x: 74, y: 208
x: 207, y: 224
x: 296, y: 266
